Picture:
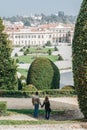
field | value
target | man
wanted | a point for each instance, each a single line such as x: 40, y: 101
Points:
x: 36, y: 102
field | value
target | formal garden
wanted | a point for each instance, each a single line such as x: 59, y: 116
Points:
x: 43, y: 75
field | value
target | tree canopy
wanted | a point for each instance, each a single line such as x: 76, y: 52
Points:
x: 8, y: 77
x: 79, y: 47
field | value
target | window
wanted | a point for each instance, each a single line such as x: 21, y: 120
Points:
x: 38, y: 36
x: 49, y: 36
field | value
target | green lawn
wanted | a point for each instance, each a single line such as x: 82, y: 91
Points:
x: 39, y: 50
x: 33, y: 54
x: 30, y: 111
x: 40, y: 121
x: 23, y: 72
x: 29, y: 58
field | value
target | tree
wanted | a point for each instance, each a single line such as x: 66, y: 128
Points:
x: 8, y: 79
x: 43, y: 74
x: 80, y: 57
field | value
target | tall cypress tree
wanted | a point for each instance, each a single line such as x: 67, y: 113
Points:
x: 8, y: 78
x: 79, y: 47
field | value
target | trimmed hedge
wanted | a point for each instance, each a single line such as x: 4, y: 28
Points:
x: 3, y: 108
x: 43, y: 74
x: 28, y: 94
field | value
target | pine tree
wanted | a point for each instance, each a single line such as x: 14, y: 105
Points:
x: 8, y: 78
x: 80, y: 57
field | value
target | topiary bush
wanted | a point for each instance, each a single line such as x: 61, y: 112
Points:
x: 43, y: 74
x: 79, y: 47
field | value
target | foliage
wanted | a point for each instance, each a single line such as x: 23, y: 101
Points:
x: 16, y: 54
x: 42, y: 93
x: 19, y: 84
x: 23, y: 72
x: 48, y: 43
x: 80, y: 57
x: 30, y: 58
x: 43, y: 73
x: 45, y: 19
x: 21, y: 49
x: 60, y: 57
x: 68, y: 87
x: 17, y: 60
x: 55, y: 48
x: 29, y: 87
x: 26, y: 51
x: 49, y: 52
x: 8, y: 77
x: 3, y: 108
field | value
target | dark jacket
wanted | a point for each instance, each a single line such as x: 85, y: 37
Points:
x: 47, y: 105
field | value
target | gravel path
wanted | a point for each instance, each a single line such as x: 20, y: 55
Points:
x: 70, y: 105
x: 46, y: 127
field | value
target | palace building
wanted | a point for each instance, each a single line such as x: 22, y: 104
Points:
x: 56, y: 33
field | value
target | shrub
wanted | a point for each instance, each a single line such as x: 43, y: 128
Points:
x: 48, y: 43
x: 43, y: 46
x: 79, y: 47
x: 55, y: 48
x: 29, y: 87
x: 42, y: 93
x: 49, y: 52
x: 25, y: 53
x: 3, y: 108
x: 21, y: 49
x: 43, y: 73
x: 19, y: 84
x: 60, y: 57
x: 68, y: 87
x: 29, y: 46
x: 17, y: 60
x: 16, y: 54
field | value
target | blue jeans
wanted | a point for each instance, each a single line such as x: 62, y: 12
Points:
x: 47, y: 114
x: 36, y: 107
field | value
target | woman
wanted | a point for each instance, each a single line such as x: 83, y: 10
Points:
x: 46, y: 103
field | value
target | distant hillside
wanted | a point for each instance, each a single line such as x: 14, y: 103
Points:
x: 42, y: 19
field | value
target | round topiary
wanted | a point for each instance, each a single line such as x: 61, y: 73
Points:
x: 43, y: 74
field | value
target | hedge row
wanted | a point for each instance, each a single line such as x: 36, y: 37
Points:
x: 51, y: 93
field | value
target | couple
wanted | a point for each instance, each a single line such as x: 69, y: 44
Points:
x: 46, y: 103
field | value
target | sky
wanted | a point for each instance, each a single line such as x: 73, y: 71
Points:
x: 10, y: 8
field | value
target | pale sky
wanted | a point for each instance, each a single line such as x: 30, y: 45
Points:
x: 27, y: 7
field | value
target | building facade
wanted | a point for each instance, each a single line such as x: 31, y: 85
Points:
x: 38, y: 36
